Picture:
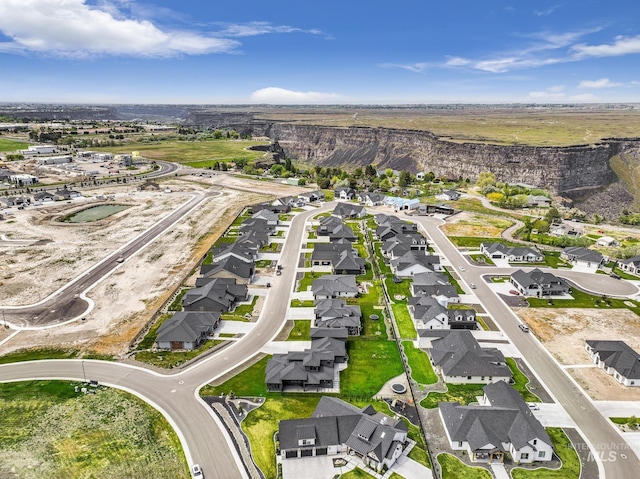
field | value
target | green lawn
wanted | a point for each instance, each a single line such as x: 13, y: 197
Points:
x: 198, y: 154
x: 152, y: 334
x: 248, y: 382
x: 398, y: 289
x: 297, y: 303
x: 307, y: 279
x: 421, y: 369
x: 584, y: 300
x: 170, y: 359
x: 369, y: 304
x: 462, y: 393
x: 301, y: 330
x: 49, y: 430
x: 564, y: 449
x: 11, y: 145
x: 371, y: 364
x: 406, y: 328
x: 453, y: 281
x: 481, y: 258
x: 176, y: 304
x: 453, y: 468
x: 357, y: 474
x: 521, y: 382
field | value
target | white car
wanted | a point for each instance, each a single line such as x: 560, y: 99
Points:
x: 533, y: 406
x: 196, y: 471
x: 461, y: 268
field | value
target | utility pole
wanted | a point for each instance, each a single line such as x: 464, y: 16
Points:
x: 84, y: 375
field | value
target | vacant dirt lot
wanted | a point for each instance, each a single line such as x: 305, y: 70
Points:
x: 126, y: 299
x: 564, y: 331
x: 472, y: 224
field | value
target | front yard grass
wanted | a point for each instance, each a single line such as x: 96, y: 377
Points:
x: 584, y: 300
x: 453, y: 468
x: 298, y: 303
x: 371, y: 364
x: 453, y: 281
x: 481, y: 259
x: 356, y: 473
x: 521, y: 382
x: 171, y: 359
x: 307, y: 279
x: 406, y: 328
x: 421, y: 369
x: 301, y: 330
x: 564, y: 450
x: 474, y: 242
x: 249, y: 382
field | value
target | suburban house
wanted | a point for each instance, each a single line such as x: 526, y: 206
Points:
x: 335, y: 313
x: 391, y: 229
x: 583, y: 256
x: 607, y: 241
x: 312, y: 369
x: 334, y: 286
x: 243, y: 250
x: 347, y: 210
x: 229, y: 267
x: 335, y: 229
x: 564, y: 229
x: 538, y: 283
x: 616, y: 358
x: 337, y: 427
x: 186, y: 330
x: 269, y: 216
x: 344, y: 193
x: 537, y: 201
x: 65, y: 194
x: 631, y: 265
x: 414, y: 262
x: 459, y: 359
x: 371, y: 199
x: 14, y: 200
x: 44, y: 197
x: 448, y: 195
x: 436, y: 285
x: 342, y: 258
x: 428, y: 313
x: 217, y: 294
x: 402, y: 203
x: 502, y: 423
x: 515, y: 254
x: 254, y: 225
x: 393, y: 246
x: 439, y: 209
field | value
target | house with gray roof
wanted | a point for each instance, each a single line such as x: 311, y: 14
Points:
x: 335, y: 229
x: 216, y: 294
x: 334, y: 286
x: 414, y: 262
x: 230, y: 267
x: 436, y: 285
x: 269, y: 216
x: 616, y: 358
x: 388, y: 230
x: 342, y: 258
x: 582, y: 256
x: 513, y: 254
x: 253, y: 225
x: 348, y: 210
x: 338, y: 427
x: 448, y: 195
x: 336, y: 313
x: 244, y: 250
x: 344, y: 193
x: 312, y: 369
x: 459, y: 359
x: 186, y: 330
x: 312, y: 196
x: 371, y: 199
x: 500, y: 424
x: 630, y: 265
x: 537, y: 201
x: 428, y: 313
x: 538, y: 283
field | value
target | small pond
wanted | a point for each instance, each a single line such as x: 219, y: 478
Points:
x: 94, y: 213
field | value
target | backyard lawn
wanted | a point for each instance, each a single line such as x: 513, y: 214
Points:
x: 406, y: 328
x: 453, y: 468
x: 371, y: 364
x: 301, y: 330
x: 421, y: 369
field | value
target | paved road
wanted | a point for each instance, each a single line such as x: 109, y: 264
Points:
x: 597, y: 429
x: 176, y: 395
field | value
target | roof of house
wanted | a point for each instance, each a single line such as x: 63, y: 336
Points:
x: 507, y: 419
x: 223, y: 291
x: 518, y: 251
x: 230, y: 264
x: 186, y: 326
x: 537, y: 277
x: 412, y: 258
x: 267, y: 215
x: 579, y: 253
x: 634, y: 261
x: 348, y: 210
x: 331, y: 284
x: 619, y: 356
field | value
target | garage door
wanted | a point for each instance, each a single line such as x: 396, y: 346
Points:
x: 321, y: 451
x: 307, y: 452
x: 289, y: 454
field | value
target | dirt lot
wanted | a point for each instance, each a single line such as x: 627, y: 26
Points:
x: 472, y: 224
x: 564, y: 331
x: 125, y: 300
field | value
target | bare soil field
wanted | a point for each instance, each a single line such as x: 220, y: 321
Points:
x: 473, y: 224
x: 128, y: 298
x: 564, y: 331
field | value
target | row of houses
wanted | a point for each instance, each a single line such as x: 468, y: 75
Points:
x: 61, y: 194
x: 410, y: 205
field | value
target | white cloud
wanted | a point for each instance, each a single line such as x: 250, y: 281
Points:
x: 73, y: 28
x: 277, y: 95
x: 553, y: 93
x: 621, y: 46
x: 413, y: 67
x: 260, y: 28
x: 546, y: 12
x: 457, y: 62
x: 601, y: 83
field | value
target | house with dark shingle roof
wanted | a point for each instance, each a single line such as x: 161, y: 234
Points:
x: 371, y: 199
x: 436, y: 285
x: 583, y: 256
x: 217, y: 294
x: 538, y: 283
x: 630, y: 265
x: 459, y: 359
x: 342, y: 258
x: 336, y: 313
x: 501, y: 423
x: 230, y: 267
x: 186, y: 330
x: 270, y: 217
x: 344, y: 193
x: 335, y: 229
x: 414, y: 262
x: 244, y: 250
x: 428, y: 313
x: 616, y: 358
x: 312, y: 369
x: 334, y: 286
x: 338, y: 427
x: 348, y: 210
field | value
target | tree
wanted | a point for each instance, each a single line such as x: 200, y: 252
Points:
x: 552, y: 215
x: 370, y: 171
x: 388, y: 172
x: 302, y: 182
x: 277, y: 170
x: 404, y: 178
x: 486, y: 178
x: 528, y: 227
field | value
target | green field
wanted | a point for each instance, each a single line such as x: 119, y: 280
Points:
x: 11, y: 145
x: 48, y: 430
x: 453, y: 468
x: 421, y: 369
x: 198, y: 154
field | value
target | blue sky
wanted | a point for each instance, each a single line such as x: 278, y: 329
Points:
x: 330, y: 52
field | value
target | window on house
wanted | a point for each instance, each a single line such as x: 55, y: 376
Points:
x: 542, y: 453
x: 524, y: 455
x: 535, y: 441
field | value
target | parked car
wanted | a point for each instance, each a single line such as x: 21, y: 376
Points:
x: 524, y: 327
x: 472, y: 285
x: 615, y: 276
x: 533, y: 406
x: 514, y: 292
x: 278, y: 272
x: 268, y: 285
x: 462, y: 268
x: 196, y: 471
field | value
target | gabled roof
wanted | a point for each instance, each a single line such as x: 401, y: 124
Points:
x: 619, y: 356
x: 230, y: 264
x: 546, y: 281
x: 348, y: 210
x: 578, y: 253
x: 634, y: 261
x: 186, y: 326
x: 412, y: 258
x: 332, y: 284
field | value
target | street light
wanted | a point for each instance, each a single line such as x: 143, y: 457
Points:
x: 84, y: 375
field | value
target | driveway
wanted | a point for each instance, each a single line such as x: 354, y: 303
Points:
x: 301, y: 313
x: 553, y: 415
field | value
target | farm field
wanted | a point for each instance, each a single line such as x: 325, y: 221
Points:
x: 12, y: 145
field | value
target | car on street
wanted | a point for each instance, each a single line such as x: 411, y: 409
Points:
x: 278, y: 272
x: 615, y: 276
x: 268, y: 285
x: 472, y: 285
x: 514, y: 292
x: 524, y: 327
x: 461, y: 268
x: 196, y: 471
x: 533, y: 406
